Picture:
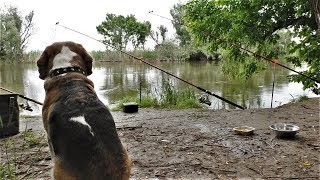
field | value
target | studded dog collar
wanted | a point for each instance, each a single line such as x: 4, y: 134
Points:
x: 59, y: 71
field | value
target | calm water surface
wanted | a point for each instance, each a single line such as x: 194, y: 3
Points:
x: 114, y: 81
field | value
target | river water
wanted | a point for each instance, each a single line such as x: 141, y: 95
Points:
x: 114, y: 81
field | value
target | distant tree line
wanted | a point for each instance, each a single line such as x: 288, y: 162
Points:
x: 15, y: 33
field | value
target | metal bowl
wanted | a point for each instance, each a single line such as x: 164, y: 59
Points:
x: 283, y: 130
x: 244, y: 130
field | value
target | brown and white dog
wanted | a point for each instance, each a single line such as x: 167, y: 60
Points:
x: 81, y: 132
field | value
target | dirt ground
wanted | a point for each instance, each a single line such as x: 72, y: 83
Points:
x: 192, y: 144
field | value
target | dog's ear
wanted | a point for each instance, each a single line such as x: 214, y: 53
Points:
x: 42, y: 64
x: 87, y: 58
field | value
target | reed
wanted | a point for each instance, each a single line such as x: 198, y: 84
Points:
x: 7, y: 171
x: 169, y: 97
x: 173, y: 98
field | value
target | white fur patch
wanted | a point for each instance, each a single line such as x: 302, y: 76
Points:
x: 63, y: 59
x: 81, y: 120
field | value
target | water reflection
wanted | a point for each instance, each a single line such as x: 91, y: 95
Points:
x: 113, y: 81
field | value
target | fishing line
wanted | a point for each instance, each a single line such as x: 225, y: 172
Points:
x: 274, y: 78
x: 141, y: 60
x: 245, y: 49
x: 151, y: 12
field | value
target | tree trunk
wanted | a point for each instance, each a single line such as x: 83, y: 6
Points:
x: 315, y: 8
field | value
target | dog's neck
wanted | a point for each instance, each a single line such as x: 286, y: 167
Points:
x: 58, y: 82
x: 64, y: 70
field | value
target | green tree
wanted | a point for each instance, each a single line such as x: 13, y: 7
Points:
x: 15, y: 32
x: 155, y: 37
x: 142, y: 31
x: 119, y: 30
x: 256, y: 24
x: 177, y: 13
x: 162, y: 30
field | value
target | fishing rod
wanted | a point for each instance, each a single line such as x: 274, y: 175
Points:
x: 246, y: 50
x: 141, y: 60
x: 22, y: 96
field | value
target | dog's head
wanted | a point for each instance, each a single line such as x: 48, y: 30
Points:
x: 61, y: 55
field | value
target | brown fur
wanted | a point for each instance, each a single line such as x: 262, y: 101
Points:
x: 57, y: 98
x: 59, y: 172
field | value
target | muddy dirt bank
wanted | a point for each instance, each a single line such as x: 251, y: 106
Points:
x: 193, y: 144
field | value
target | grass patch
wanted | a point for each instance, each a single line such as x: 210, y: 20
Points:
x: 300, y: 98
x: 30, y: 139
x: 146, y: 102
x: 8, y: 167
x: 7, y: 171
x: 169, y: 98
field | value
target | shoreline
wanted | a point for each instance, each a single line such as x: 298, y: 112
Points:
x: 193, y: 143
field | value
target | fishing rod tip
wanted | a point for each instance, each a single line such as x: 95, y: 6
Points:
x: 57, y: 23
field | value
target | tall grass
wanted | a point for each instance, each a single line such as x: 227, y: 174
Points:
x: 301, y: 98
x: 173, y: 98
x: 168, y: 98
x: 8, y: 167
x: 7, y: 171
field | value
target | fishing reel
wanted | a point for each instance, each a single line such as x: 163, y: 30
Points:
x: 205, y: 100
x: 26, y: 106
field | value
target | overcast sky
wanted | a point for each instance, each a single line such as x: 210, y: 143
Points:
x: 84, y: 16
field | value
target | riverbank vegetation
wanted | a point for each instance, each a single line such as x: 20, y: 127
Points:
x: 169, y: 97
x: 168, y: 51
